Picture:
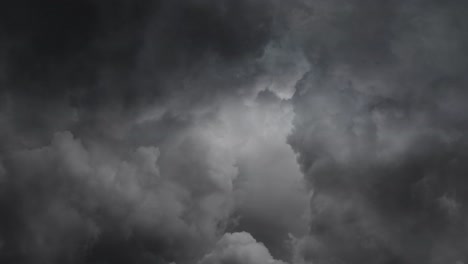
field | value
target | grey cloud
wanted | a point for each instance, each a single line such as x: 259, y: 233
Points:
x: 379, y: 134
x: 88, y: 52
x: 270, y: 184
x: 141, y: 132
x: 112, y: 145
x: 86, y: 193
x: 239, y: 248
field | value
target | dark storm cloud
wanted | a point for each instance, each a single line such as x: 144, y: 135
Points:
x: 83, y: 84
x: 380, y: 132
x: 74, y: 60
x: 67, y: 43
x: 155, y: 131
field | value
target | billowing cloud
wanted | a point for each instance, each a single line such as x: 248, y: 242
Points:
x: 110, y: 148
x: 239, y: 248
x: 74, y: 185
x: 250, y: 131
x: 379, y: 132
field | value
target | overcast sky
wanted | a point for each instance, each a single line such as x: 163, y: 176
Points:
x: 234, y: 132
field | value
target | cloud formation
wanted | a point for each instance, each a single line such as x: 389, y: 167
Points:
x: 379, y: 132
x: 250, y: 131
x: 239, y: 248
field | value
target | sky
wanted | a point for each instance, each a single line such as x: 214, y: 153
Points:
x: 233, y: 132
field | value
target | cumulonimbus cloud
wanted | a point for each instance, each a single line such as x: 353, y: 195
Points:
x: 165, y: 131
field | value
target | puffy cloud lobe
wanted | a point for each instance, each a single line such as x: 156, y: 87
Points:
x: 239, y: 248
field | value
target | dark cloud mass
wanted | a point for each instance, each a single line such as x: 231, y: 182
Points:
x: 380, y: 132
x: 222, y: 132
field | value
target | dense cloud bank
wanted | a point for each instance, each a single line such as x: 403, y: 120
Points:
x: 250, y: 131
x: 380, y: 130
x: 124, y: 126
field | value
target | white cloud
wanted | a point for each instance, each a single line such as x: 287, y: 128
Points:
x: 239, y: 248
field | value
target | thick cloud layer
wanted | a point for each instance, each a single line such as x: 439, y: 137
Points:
x: 124, y: 124
x: 250, y: 131
x: 380, y: 132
